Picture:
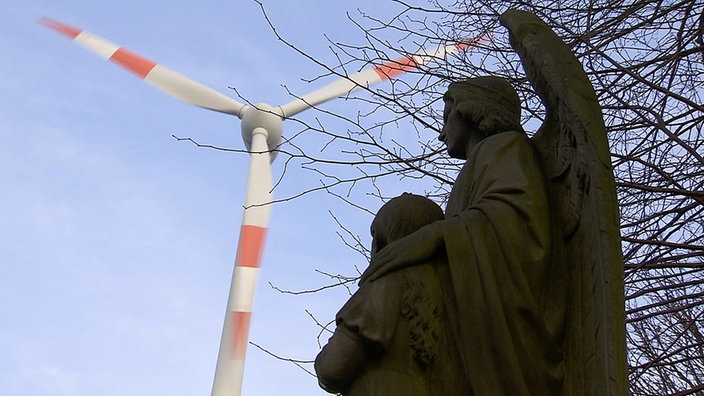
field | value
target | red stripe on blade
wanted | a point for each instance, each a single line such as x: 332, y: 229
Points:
x: 239, y: 333
x: 66, y: 30
x: 249, y: 251
x: 395, y: 67
x: 133, y: 62
x: 471, y: 42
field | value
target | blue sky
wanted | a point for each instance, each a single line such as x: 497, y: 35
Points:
x: 117, y: 240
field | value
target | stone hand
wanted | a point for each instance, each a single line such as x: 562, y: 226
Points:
x: 404, y: 252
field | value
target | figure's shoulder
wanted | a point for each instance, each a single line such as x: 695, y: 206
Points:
x: 507, y: 146
x: 507, y: 138
x: 380, y: 295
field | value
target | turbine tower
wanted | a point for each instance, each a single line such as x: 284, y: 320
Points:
x: 262, y: 126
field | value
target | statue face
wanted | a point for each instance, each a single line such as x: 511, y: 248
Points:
x: 455, y: 131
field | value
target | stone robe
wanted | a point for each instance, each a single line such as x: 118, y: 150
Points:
x: 391, y: 339
x: 498, y: 239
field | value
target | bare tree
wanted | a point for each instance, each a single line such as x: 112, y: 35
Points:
x: 646, y: 62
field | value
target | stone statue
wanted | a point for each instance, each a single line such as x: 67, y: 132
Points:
x: 391, y: 337
x: 532, y: 285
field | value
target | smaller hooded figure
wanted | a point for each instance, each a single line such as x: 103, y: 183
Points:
x: 392, y: 336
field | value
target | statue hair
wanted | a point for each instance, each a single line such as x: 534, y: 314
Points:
x: 421, y: 302
x: 490, y: 102
x: 405, y: 214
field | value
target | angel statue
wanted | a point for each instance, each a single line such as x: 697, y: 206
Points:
x: 530, y: 234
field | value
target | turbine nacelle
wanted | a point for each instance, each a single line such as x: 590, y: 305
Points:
x: 265, y: 119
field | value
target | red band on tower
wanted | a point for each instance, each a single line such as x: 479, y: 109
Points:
x: 240, y: 330
x: 250, y: 246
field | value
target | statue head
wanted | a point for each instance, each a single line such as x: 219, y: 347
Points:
x: 402, y: 216
x: 476, y: 108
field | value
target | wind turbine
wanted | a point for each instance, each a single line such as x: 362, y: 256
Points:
x: 262, y: 126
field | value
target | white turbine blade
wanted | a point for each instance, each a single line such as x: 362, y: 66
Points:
x: 159, y: 76
x: 372, y: 75
x: 255, y: 220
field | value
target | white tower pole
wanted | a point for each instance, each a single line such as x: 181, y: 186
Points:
x: 255, y: 220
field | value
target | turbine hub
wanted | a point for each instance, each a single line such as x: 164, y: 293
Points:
x: 263, y: 116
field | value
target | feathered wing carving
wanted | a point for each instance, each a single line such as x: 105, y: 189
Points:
x: 575, y: 153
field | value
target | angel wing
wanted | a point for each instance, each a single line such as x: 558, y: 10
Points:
x: 575, y: 153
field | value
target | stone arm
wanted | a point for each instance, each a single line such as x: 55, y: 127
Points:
x: 410, y: 250
x: 340, y: 361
